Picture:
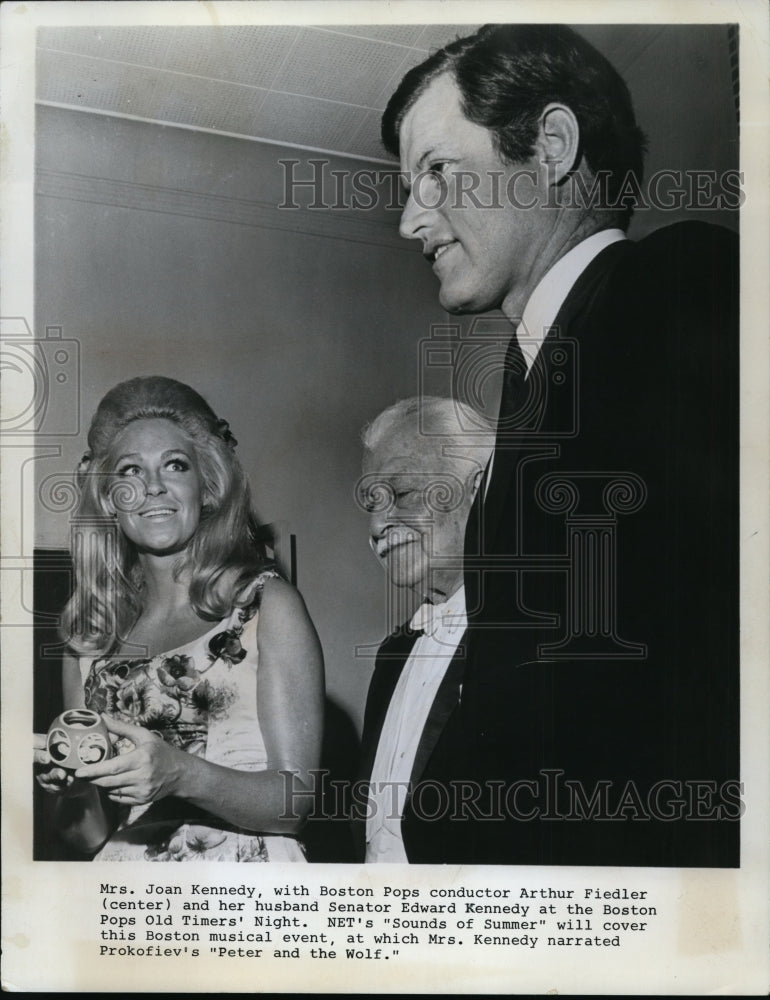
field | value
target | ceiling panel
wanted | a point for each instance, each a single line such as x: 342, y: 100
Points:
x: 338, y: 67
x: 622, y: 49
x: 321, y: 87
x: 433, y: 36
x: 153, y: 94
x: 222, y: 107
x: 411, y: 57
x: 248, y: 54
x: 366, y: 141
x: 142, y: 45
x: 395, y: 34
x: 302, y: 121
x: 96, y: 84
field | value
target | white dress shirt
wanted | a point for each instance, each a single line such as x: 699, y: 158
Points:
x: 402, y: 730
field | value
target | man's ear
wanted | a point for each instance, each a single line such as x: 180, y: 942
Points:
x: 558, y: 141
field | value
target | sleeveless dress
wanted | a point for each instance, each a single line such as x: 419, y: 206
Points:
x: 201, y: 698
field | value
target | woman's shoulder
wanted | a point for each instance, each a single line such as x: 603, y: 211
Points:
x: 279, y: 598
x: 283, y: 615
x: 248, y: 599
x: 273, y: 597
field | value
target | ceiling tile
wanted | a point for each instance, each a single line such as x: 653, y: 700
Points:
x: 224, y: 107
x: 247, y: 54
x: 621, y: 48
x: 366, y: 142
x: 396, y: 34
x: 145, y: 46
x: 302, y: 121
x: 434, y: 36
x: 120, y: 88
x: 338, y: 68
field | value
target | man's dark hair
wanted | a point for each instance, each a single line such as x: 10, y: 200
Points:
x: 507, y: 74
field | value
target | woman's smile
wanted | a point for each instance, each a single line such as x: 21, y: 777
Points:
x: 156, y: 513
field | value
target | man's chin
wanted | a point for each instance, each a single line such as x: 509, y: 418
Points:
x: 451, y: 305
x: 458, y: 304
x: 406, y: 578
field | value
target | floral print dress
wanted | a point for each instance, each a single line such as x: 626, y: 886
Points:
x: 201, y: 698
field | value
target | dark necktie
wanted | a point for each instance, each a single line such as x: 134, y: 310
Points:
x: 511, y: 401
x: 514, y: 376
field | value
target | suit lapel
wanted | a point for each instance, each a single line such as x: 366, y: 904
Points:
x: 443, y: 705
x: 496, y: 507
x: 580, y: 298
x: 589, y: 285
x: 391, y: 660
x: 473, y: 547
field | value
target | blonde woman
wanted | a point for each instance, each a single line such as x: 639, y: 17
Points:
x: 202, y: 660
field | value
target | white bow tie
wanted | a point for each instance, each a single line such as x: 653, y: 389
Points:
x: 430, y: 617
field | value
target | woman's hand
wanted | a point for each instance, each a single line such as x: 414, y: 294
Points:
x: 55, y: 780
x: 149, y: 772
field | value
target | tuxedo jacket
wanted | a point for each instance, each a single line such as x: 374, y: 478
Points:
x: 429, y: 827
x: 602, y: 573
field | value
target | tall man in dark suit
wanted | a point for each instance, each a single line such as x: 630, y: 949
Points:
x: 600, y: 691
x: 422, y: 469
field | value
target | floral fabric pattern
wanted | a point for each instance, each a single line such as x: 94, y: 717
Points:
x: 200, y: 698
x: 166, y: 694
x: 194, y: 842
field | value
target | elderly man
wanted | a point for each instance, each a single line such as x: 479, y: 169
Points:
x: 422, y: 468
x: 601, y: 555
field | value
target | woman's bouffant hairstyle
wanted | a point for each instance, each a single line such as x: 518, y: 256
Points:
x: 507, y: 74
x: 224, y: 555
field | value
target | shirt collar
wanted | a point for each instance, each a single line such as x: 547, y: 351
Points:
x: 553, y: 288
x: 448, y: 616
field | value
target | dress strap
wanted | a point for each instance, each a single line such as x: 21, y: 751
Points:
x: 251, y: 596
x: 257, y: 585
x: 85, y: 663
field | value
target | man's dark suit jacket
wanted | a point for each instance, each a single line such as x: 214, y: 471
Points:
x: 428, y: 829
x: 648, y: 388
x: 650, y: 380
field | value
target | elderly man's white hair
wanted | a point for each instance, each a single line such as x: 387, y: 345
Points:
x: 459, y: 429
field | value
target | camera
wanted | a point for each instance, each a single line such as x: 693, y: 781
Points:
x: 41, y: 379
x: 473, y: 363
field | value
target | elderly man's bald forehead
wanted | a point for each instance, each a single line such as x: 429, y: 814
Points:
x: 423, y: 420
